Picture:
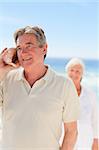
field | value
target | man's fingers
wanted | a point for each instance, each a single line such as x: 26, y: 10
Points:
x: 3, y: 50
x: 14, y: 65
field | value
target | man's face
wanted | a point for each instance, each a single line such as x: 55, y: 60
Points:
x: 75, y: 72
x: 29, y: 52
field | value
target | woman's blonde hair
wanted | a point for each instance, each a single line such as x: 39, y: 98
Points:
x: 73, y: 62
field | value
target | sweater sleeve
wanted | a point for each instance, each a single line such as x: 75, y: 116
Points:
x: 72, y: 106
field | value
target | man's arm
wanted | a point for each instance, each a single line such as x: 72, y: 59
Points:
x: 95, y: 144
x: 70, y: 136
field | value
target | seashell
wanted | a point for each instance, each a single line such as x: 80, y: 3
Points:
x: 10, y: 54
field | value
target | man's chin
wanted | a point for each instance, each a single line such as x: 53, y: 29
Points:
x: 26, y: 65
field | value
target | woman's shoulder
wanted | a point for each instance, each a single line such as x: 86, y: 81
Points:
x: 88, y: 91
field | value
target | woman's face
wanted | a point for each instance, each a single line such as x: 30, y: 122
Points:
x: 75, y: 72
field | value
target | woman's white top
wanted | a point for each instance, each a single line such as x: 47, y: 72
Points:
x: 88, y: 121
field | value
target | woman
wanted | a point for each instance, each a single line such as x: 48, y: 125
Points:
x: 87, y: 124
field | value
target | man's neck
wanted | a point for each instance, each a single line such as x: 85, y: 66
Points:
x: 35, y: 74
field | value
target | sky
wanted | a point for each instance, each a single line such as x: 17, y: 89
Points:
x: 71, y: 27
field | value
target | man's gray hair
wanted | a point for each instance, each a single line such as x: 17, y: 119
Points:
x: 35, y: 30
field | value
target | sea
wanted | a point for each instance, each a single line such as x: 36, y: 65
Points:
x: 91, y: 75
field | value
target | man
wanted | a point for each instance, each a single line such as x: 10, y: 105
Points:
x: 35, y: 100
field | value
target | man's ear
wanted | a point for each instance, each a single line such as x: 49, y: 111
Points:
x: 45, y: 49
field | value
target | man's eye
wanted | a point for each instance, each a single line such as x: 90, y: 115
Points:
x: 78, y: 72
x: 29, y: 46
x: 71, y: 70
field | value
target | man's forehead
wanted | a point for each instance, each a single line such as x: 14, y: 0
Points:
x: 26, y: 38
